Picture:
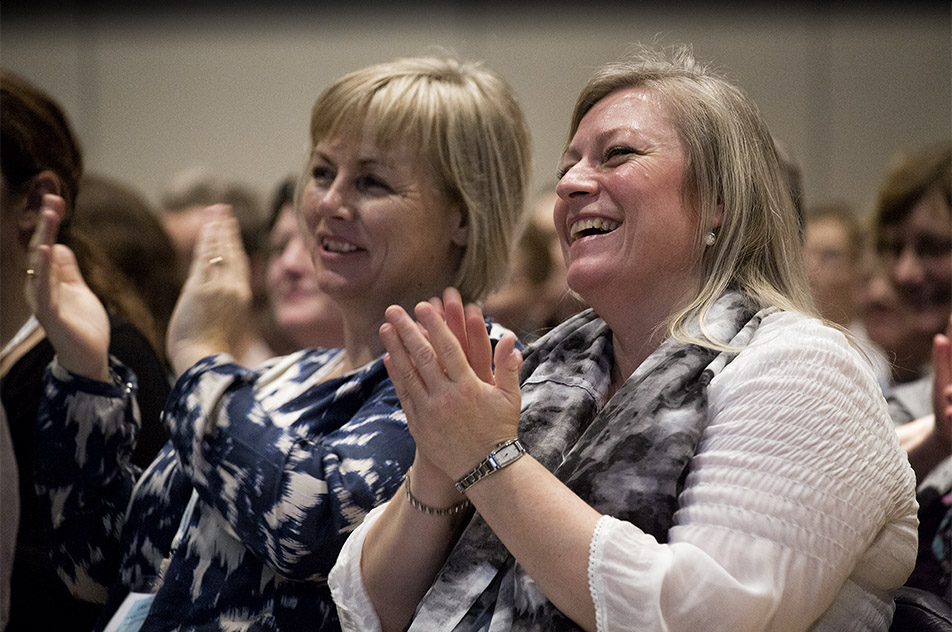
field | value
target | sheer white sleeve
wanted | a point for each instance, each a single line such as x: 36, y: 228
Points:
x: 354, y: 607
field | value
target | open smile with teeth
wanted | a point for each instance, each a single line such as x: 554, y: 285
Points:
x: 332, y: 245
x: 591, y: 226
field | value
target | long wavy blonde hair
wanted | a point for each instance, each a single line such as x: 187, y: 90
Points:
x: 732, y: 165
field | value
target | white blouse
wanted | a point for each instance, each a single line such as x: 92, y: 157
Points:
x: 799, y: 511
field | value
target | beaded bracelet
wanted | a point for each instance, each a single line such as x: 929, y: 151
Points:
x: 433, y: 511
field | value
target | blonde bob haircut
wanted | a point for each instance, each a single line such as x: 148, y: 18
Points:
x: 470, y: 131
x: 732, y: 167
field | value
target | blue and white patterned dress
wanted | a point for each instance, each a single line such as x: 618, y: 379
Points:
x: 284, y: 467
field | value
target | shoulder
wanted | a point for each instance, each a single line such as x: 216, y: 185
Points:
x: 799, y: 370
x: 799, y: 375
x: 786, y: 340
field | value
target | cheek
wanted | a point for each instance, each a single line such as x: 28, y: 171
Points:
x: 308, y: 211
x: 941, y: 271
x: 275, y: 274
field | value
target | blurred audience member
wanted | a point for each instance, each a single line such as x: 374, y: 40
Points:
x: 39, y: 155
x: 524, y: 304
x: 182, y: 201
x: 301, y: 315
x: 191, y: 190
x: 912, y: 234
x: 130, y: 233
x: 901, y: 352
x: 928, y: 442
x: 833, y: 252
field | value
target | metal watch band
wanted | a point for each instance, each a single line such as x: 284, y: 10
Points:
x: 501, y: 456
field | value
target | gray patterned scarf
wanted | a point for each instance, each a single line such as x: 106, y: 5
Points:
x: 627, y: 457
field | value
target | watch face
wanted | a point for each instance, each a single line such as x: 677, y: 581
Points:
x: 506, y: 454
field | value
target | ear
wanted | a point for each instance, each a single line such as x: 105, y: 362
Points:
x: 32, y: 200
x: 460, y: 235
x: 45, y: 182
x: 29, y: 215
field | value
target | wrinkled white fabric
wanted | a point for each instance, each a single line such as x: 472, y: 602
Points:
x: 798, y: 508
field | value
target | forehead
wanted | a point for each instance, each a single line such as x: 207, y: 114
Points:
x: 930, y: 214
x: 365, y: 145
x: 640, y: 110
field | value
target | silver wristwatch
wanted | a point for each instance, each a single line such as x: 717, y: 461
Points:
x: 503, y: 454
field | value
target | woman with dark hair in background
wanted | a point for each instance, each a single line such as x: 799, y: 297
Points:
x: 129, y: 232
x: 40, y: 155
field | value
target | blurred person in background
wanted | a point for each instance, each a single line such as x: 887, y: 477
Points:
x: 39, y: 154
x: 912, y: 234
x: 130, y: 233
x: 9, y: 515
x: 841, y: 276
x: 560, y: 300
x: 901, y: 353
x: 912, y: 237
x: 833, y: 252
x: 300, y: 314
x: 523, y: 304
x: 181, y: 203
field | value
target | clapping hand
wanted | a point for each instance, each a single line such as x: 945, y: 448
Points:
x: 212, y: 312
x: 458, y: 407
x: 73, y: 318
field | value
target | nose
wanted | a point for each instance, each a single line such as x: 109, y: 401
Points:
x: 333, y: 199
x: 578, y: 181
x: 907, y: 269
x: 296, y: 257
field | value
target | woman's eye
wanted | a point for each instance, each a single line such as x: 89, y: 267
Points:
x: 322, y: 174
x: 933, y: 248
x: 618, y: 151
x: 372, y: 183
x: 275, y: 250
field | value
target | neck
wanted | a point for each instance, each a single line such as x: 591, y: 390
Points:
x: 361, y: 338
x: 630, y: 354
x: 638, y: 331
x: 635, y: 335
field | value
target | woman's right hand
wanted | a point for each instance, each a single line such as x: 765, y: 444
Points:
x: 461, y: 397
x: 73, y: 318
x: 213, y: 310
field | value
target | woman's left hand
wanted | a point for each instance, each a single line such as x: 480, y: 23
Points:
x: 73, y: 318
x: 458, y: 408
x: 212, y: 312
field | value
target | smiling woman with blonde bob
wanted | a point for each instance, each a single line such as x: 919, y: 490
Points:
x: 698, y: 451
x: 415, y: 180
